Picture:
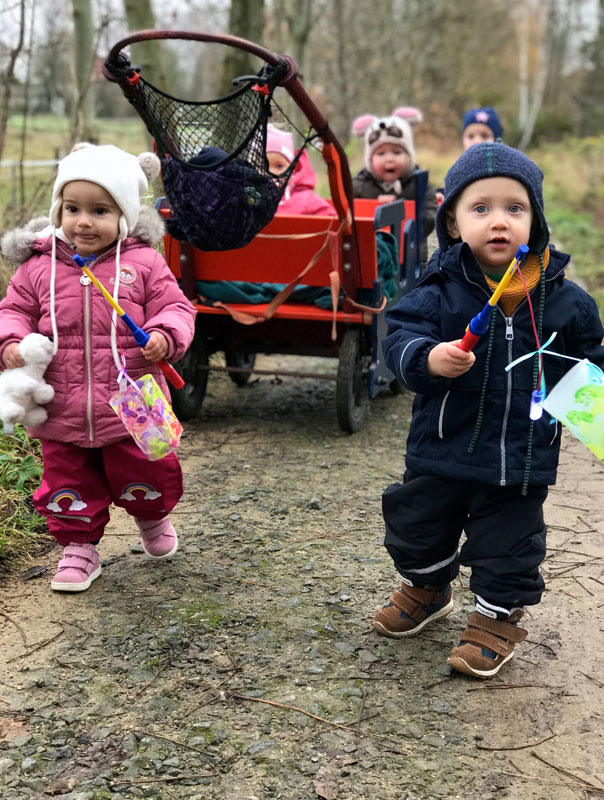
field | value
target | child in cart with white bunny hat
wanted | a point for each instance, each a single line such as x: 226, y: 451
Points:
x: 389, y: 171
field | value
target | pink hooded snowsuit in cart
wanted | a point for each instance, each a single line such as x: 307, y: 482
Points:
x: 299, y: 196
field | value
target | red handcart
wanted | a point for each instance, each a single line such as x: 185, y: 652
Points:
x: 338, y: 252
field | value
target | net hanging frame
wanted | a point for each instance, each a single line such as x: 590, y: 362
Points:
x: 284, y: 72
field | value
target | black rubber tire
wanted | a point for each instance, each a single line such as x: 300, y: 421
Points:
x: 352, y: 393
x: 235, y: 358
x: 187, y: 401
x: 395, y: 387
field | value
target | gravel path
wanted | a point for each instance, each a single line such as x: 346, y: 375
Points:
x: 245, y: 668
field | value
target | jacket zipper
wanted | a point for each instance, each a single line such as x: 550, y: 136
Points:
x: 87, y: 356
x: 442, y: 414
x: 509, y: 328
x: 87, y: 342
x: 509, y: 335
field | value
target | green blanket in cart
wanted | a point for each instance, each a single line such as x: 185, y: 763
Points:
x: 256, y: 293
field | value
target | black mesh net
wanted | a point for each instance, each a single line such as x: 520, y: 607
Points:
x: 214, y: 165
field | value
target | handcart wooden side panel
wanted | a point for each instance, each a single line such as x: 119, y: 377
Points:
x: 258, y: 262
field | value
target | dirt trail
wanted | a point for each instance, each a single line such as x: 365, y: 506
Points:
x: 150, y: 684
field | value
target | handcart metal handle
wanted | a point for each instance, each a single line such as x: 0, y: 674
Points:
x: 340, y: 180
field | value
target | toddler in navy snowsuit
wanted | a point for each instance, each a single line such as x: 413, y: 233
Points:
x: 475, y: 460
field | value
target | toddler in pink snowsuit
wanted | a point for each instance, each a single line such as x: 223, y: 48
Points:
x: 299, y: 196
x: 90, y: 460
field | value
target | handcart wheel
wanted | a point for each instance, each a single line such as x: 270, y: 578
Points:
x: 352, y: 394
x: 395, y: 387
x: 187, y: 401
x: 235, y: 358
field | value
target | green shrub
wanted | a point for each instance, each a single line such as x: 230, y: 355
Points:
x: 20, y: 473
x: 573, y: 191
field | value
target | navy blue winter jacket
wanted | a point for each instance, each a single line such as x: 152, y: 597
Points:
x: 445, y: 411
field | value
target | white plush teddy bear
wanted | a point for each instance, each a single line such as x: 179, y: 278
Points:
x: 23, y: 390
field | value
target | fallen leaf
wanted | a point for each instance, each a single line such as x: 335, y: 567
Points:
x: 34, y: 572
x: 326, y: 784
x: 344, y: 761
x: 61, y: 786
x: 11, y: 728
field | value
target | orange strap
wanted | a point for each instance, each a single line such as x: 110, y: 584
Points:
x: 335, y: 285
x: 291, y: 235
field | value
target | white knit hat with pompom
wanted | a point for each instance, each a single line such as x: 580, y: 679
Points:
x: 121, y: 174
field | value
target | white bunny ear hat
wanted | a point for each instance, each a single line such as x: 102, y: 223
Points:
x: 121, y: 174
x: 395, y: 129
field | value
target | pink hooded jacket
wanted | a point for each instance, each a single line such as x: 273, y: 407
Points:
x: 299, y: 196
x: 82, y: 372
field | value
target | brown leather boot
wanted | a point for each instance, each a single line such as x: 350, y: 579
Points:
x: 411, y: 608
x: 486, y: 644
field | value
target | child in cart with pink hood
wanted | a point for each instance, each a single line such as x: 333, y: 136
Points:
x: 90, y: 460
x: 299, y: 196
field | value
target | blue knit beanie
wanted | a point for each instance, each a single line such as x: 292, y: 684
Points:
x: 493, y: 160
x: 485, y: 116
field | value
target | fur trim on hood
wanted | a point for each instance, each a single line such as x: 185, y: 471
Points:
x: 18, y: 245
x: 150, y: 227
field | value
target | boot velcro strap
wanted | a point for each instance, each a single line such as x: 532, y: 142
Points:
x: 486, y: 639
x: 411, y: 606
x: 76, y: 556
x: 504, y: 630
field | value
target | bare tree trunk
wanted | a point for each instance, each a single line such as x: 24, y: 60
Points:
x: 84, y: 52
x: 562, y: 35
x: 589, y: 93
x: 543, y: 15
x: 341, y: 125
x: 25, y: 117
x: 148, y: 56
x: 8, y: 78
x: 523, y: 64
x: 299, y: 21
x: 245, y: 20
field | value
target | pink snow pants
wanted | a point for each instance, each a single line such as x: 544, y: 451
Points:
x: 80, y: 483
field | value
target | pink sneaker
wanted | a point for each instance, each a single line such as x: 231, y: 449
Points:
x: 158, y: 536
x: 77, y: 569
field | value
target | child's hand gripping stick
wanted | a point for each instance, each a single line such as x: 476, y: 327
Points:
x: 479, y: 324
x: 139, y: 334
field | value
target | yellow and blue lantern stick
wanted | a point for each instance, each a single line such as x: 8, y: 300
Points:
x: 141, y: 336
x: 479, y: 324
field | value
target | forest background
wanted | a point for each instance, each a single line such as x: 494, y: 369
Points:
x: 540, y: 63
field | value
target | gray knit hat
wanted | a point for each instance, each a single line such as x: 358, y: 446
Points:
x: 492, y: 160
